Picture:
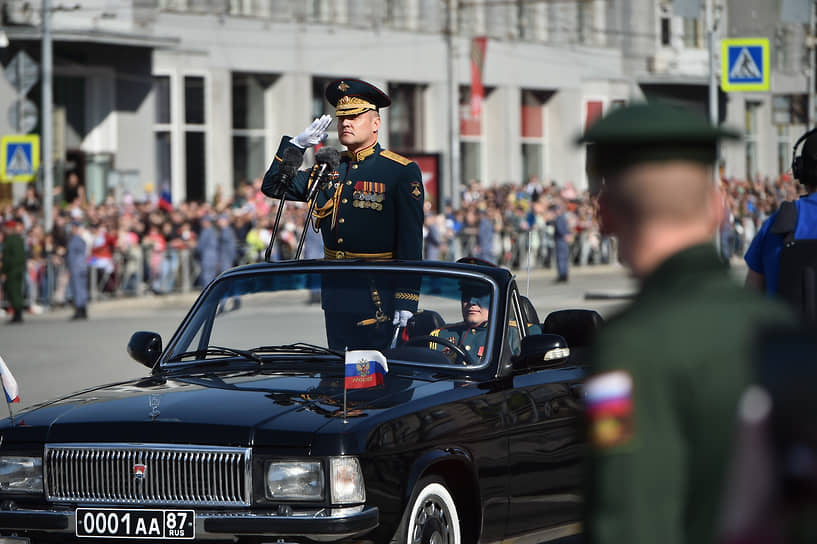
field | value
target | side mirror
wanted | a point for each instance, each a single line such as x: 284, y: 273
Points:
x: 542, y: 350
x: 145, y: 347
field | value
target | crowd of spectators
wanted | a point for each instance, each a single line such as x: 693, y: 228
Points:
x: 144, y: 246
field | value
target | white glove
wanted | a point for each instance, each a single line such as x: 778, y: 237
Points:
x: 401, y: 317
x: 314, y: 133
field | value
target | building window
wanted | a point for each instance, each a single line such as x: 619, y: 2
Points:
x: 194, y: 100
x: 162, y: 132
x: 163, y: 158
x: 470, y: 138
x: 161, y: 88
x: 194, y: 138
x: 249, y: 159
x: 194, y: 165
x: 533, y: 133
x: 470, y: 161
x: 532, y: 161
x: 783, y: 149
x: 405, y: 117
x: 249, y: 114
x: 752, y: 128
x: 666, y: 32
x: 693, y: 33
x: 751, y: 118
x: 469, y: 125
x: 584, y: 21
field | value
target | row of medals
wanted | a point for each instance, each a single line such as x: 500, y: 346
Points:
x: 368, y: 200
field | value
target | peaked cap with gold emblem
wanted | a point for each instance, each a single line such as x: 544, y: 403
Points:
x: 353, y: 96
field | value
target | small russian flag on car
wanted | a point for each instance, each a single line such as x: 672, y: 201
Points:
x: 365, y: 368
x: 9, y: 383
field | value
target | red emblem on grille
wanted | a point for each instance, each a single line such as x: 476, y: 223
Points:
x: 139, y: 471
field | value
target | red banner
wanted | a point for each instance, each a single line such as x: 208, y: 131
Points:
x: 478, y: 46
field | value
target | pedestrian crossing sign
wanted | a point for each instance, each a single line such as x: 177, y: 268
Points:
x: 745, y: 64
x: 19, y: 157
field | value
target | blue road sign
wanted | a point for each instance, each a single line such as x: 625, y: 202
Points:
x: 19, y: 157
x: 745, y: 64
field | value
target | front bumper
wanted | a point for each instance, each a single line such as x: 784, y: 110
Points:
x: 319, y: 526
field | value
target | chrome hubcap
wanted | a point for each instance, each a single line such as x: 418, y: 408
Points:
x: 431, y: 524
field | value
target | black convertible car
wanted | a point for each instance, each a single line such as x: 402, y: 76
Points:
x: 248, y: 427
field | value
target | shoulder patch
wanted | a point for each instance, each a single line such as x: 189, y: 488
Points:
x: 610, y: 410
x: 395, y: 157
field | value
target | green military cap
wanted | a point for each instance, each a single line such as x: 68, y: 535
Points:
x: 649, y: 132
x: 353, y: 96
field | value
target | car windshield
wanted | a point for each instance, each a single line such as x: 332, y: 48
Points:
x: 266, y: 314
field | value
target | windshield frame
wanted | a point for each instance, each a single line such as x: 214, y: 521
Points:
x: 496, y: 325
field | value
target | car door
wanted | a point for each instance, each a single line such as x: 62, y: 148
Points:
x: 546, y: 451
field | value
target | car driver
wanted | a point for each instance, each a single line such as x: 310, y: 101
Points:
x: 472, y: 332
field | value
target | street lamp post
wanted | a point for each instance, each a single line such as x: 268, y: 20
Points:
x: 453, y: 107
x: 46, y: 127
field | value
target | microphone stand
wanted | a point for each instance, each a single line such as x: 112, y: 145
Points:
x: 275, y: 227
x: 311, y: 198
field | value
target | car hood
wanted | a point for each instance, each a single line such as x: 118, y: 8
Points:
x: 284, y: 409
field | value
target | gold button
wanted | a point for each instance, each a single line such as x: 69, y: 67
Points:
x: 340, y: 240
x: 349, y: 182
x: 340, y: 255
x: 468, y: 347
x: 341, y: 220
x: 345, y: 201
x: 354, y: 167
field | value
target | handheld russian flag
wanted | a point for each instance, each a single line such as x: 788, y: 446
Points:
x: 9, y: 383
x: 365, y: 368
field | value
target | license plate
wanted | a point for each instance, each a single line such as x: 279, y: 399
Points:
x: 135, y: 523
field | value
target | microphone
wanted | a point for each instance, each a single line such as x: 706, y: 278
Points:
x: 328, y: 158
x: 292, y: 159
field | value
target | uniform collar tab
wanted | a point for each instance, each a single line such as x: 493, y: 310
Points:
x: 363, y: 154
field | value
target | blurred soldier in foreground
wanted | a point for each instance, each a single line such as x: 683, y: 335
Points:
x: 668, y: 371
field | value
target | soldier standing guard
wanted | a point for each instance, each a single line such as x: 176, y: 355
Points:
x: 370, y: 208
x: 77, y: 261
x: 13, y: 269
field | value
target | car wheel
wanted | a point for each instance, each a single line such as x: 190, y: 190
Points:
x: 431, y: 516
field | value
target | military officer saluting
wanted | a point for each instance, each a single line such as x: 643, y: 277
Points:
x: 372, y: 205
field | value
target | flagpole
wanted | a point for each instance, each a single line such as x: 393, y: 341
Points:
x: 6, y: 395
x: 11, y: 414
x: 345, y: 354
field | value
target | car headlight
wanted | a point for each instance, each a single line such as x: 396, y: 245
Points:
x: 21, y: 474
x: 294, y: 480
x: 346, y: 480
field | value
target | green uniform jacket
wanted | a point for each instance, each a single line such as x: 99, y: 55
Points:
x: 662, y: 401
x: 471, y: 339
x: 14, y: 266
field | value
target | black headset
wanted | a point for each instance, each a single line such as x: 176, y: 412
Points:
x: 797, y: 162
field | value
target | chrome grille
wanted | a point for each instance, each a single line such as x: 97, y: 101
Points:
x: 174, y: 475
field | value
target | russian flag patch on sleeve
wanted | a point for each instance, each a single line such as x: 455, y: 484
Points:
x: 609, y: 400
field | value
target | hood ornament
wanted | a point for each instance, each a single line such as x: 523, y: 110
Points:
x: 154, y: 406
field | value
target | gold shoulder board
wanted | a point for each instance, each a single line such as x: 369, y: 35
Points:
x: 395, y: 157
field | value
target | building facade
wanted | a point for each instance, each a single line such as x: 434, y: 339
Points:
x: 191, y: 97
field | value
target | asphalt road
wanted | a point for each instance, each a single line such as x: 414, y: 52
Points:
x: 50, y: 355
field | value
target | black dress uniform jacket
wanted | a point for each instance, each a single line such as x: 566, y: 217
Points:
x: 371, y: 208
